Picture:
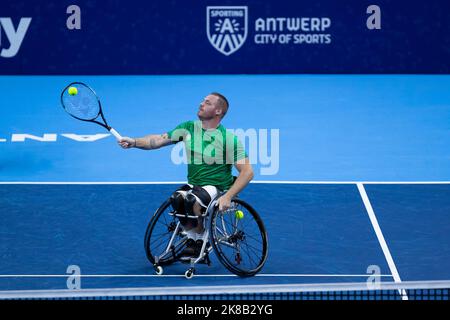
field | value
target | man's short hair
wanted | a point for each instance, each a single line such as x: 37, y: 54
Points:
x: 222, y: 102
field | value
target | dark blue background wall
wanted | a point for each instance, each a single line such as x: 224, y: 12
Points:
x: 169, y: 37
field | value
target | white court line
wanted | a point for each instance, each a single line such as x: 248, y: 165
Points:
x: 182, y: 276
x: 93, y: 182
x: 381, y: 240
x: 347, y: 182
x: 183, y: 182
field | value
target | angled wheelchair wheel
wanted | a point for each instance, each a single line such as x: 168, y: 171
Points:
x: 164, y: 239
x: 239, y: 238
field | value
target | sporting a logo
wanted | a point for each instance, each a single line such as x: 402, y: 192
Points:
x: 226, y: 27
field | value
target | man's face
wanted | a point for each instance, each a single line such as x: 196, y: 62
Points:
x: 208, y: 108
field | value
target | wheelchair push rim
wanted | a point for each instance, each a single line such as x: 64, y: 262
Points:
x: 239, y: 238
x: 162, y: 244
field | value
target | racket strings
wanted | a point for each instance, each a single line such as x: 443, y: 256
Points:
x: 83, y: 105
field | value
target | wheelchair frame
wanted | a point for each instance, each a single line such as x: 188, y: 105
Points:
x: 169, y: 255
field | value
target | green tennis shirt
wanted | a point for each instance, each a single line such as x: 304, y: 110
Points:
x: 210, y: 153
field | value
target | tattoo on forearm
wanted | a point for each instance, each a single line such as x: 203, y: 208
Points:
x: 155, y: 141
x: 152, y: 142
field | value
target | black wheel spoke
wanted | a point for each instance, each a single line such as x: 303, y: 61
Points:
x: 161, y: 243
x: 250, y: 258
x: 254, y: 253
x: 159, y: 233
x: 256, y: 239
x: 252, y: 247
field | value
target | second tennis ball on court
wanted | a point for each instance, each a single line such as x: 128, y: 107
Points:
x: 73, y: 91
x: 239, y: 214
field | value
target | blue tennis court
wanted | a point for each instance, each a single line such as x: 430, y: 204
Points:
x: 351, y: 172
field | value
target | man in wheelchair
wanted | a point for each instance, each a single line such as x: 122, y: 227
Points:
x: 211, y: 151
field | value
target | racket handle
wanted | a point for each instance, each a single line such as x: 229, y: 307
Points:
x: 115, y: 134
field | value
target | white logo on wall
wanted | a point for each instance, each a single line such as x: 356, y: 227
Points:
x: 12, y: 35
x: 226, y: 27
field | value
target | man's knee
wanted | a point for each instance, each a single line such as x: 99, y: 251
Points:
x: 186, y: 204
x: 177, y: 202
x: 189, y: 203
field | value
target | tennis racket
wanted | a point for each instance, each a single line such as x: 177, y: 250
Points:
x: 85, y: 105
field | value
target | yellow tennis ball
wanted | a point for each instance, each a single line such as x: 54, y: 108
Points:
x: 73, y: 91
x: 239, y: 214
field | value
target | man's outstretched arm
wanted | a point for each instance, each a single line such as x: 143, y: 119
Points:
x: 150, y: 142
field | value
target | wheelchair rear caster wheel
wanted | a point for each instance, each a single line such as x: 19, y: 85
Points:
x: 159, y: 270
x: 189, y: 273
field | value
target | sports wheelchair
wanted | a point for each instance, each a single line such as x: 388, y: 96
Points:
x: 237, y: 236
